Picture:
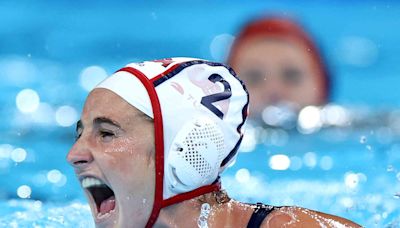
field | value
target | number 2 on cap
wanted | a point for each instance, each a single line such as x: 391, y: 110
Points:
x: 208, y: 101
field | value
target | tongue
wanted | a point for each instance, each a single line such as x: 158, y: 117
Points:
x: 107, y: 205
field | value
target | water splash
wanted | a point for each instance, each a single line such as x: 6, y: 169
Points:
x: 30, y: 213
x: 363, y: 139
x: 390, y: 168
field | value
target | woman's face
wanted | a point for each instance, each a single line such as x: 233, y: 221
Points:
x: 113, y: 159
x: 277, y: 70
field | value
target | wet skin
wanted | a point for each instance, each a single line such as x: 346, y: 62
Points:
x: 301, y: 217
x: 237, y: 214
x: 278, y: 70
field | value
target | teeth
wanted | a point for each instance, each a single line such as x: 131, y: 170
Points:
x: 88, y: 182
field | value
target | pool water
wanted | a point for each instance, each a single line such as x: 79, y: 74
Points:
x: 34, y: 213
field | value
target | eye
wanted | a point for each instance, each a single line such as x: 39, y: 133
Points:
x: 253, y: 76
x: 106, y: 135
x: 292, y: 76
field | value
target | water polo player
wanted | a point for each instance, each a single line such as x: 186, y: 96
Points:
x: 153, y: 139
x: 280, y: 64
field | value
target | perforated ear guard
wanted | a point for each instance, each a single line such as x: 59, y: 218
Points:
x: 195, y: 155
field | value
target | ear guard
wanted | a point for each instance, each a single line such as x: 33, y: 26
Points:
x: 195, y: 155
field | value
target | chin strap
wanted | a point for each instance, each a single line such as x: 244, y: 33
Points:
x: 157, y: 206
x: 159, y: 141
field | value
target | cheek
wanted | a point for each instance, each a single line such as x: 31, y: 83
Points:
x: 129, y: 155
x: 311, y: 86
x: 314, y: 73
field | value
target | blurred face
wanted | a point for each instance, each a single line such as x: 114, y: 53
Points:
x: 113, y: 158
x: 278, y: 71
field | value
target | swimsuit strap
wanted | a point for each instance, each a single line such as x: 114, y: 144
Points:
x: 260, y: 213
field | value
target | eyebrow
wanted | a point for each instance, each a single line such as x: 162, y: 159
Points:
x: 98, y: 121
x: 101, y: 120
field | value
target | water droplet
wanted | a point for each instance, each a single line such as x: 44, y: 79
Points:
x: 377, y: 217
x: 37, y: 205
x: 363, y: 139
x: 91, y: 76
x: 398, y: 176
x: 54, y: 176
x: 24, y: 191
x: 351, y: 180
x: 310, y: 159
x: 390, y: 168
x: 18, y: 155
x: 66, y: 116
x: 27, y: 101
x: 242, y: 175
x: 368, y: 147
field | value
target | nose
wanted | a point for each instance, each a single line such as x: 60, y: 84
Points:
x: 80, y: 155
x: 274, y: 91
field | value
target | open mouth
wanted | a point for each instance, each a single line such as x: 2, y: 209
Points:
x: 103, y: 196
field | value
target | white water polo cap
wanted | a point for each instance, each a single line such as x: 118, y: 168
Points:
x: 199, y: 109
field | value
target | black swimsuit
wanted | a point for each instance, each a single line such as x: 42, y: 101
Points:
x: 260, y: 213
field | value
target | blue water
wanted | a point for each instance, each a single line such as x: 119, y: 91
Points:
x: 47, y: 47
x: 29, y: 213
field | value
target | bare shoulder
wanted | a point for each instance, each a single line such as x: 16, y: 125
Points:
x: 302, y: 217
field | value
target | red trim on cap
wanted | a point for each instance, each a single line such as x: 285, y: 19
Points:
x: 165, y: 72
x: 159, y: 202
x: 159, y: 142
x: 192, y: 194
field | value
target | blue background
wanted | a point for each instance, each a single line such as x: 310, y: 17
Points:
x: 46, y: 45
